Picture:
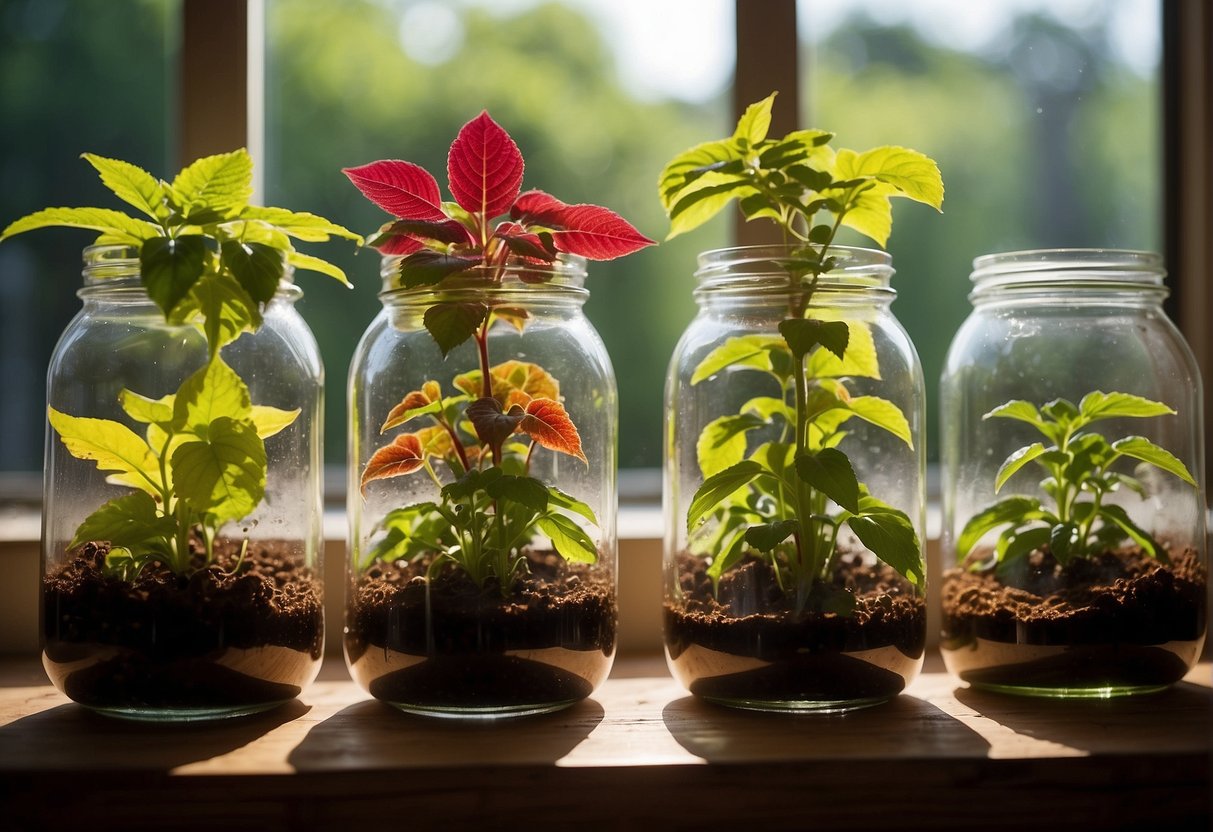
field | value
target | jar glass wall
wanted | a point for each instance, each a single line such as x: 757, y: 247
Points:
x: 772, y: 600
x: 482, y: 567
x: 152, y: 610
x: 1074, y: 519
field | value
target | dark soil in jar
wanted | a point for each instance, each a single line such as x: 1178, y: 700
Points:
x: 453, y: 646
x: 1118, y: 619
x: 745, y: 644
x: 232, y: 636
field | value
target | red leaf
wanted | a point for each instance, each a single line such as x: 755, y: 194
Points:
x: 417, y: 400
x: 589, y: 230
x: 524, y: 243
x: 401, y: 457
x: 402, y: 189
x: 493, y: 425
x: 397, y: 244
x: 548, y: 424
x: 484, y: 167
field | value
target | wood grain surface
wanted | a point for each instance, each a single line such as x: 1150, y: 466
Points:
x: 640, y: 754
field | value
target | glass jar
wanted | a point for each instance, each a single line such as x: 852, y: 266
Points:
x: 1075, y: 519
x: 162, y: 614
x: 482, y: 574
x: 758, y: 613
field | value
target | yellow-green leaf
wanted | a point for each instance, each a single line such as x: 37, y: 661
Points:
x: 270, y: 420
x: 859, y: 361
x: 220, y: 183
x: 315, y: 264
x: 883, y: 414
x: 755, y: 121
x: 299, y: 224
x: 131, y: 184
x: 908, y: 172
x: 210, y: 393
x: 116, y: 226
x: 149, y: 411
x: 223, y: 475
x: 113, y: 446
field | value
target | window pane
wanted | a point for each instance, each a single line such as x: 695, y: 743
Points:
x: 597, y: 95
x: 75, y: 76
x: 1043, y: 115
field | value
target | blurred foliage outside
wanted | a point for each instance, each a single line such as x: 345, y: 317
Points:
x: 1030, y: 159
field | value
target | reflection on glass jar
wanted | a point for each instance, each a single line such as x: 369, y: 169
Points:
x: 1072, y: 480
x: 182, y: 515
x: 482, y: 504
x: 794, y: 497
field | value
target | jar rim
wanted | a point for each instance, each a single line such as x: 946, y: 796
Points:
x: 1070, y: 263
x: 116, y: 265
x: 566, y: 274
x: 763, y: 269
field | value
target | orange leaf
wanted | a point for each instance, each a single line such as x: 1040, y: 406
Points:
x: 517, y: 397
x: 412, y: 405
x: 548, y: 424
x: 403, y: 456
x: 509, y: 376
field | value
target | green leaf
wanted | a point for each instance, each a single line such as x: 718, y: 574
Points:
x: 752, y: 351
x: 227, y: 310
x: 559, y: 499
x: 732, y: 553
x: 222, y: 475
x: 145, y: 410
x: 723, y: 442
x: 299, y: 224
x: 1119, y: 517
x: 171, y: 267
x: 768, y: 407
x: 1138, y: 447
x: 1098, y: 405
x: 256, y: 266
x: 754, y: 123
x: 211, y: 392
x: 890, y: 535
x: 859, y: 361
x: 1014, y: 510
x: 911, y: 173
x: 453, y: 323
x: 775, y: 457
x: 767, y: 536
x: 128, y: 521
x: 113, y: 446
x: 1063, y: 538
x: 883, y: 414
x: 314, y: 264
x: 718, y: 487
x: 802, y: 335
x: 270, y: 420
x: 130, y: 183
x: 570, y: 539
x: 427, y: 267
x: 526, y: 491
x: 1016, y: 461
x: 1015, y: 543
x: 704, y: 199
x: 217, y: 183
x: 869, y: 212
x: 114, y: 224
x: 1019, y: 410
x: 687, y: 167
x: 830, y: 472
x: 1061, y: 411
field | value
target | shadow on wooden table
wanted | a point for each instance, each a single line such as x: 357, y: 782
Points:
x: 1174, y: 720
x: 905, y: 727
x: 71, y: 737
x: 371, y: 734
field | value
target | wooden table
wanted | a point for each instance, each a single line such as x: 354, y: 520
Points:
x: 641, y: 754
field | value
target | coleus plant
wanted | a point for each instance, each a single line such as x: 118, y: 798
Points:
x: 1076, y: 462
x: 787, y: 500
x: 209, y: 259
x: 487, y: 431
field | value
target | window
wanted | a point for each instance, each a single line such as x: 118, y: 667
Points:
x: 75, y: 76
x: 1044, y: 117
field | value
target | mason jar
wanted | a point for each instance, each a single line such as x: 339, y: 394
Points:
x: 482, y: 560
x: 151, y: 610
x: 1073, y: 480
x: 772, y: 600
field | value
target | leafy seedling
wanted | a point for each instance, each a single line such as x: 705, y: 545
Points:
x: 477, y: 442
x: 1078, y: 466
x: 209, y: 259
x: 786, y: 500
